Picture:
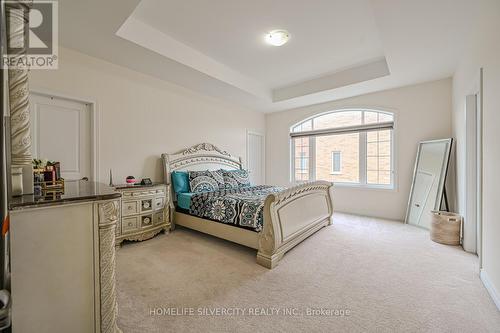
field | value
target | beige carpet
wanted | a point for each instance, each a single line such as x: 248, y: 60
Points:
x: 389, y: 276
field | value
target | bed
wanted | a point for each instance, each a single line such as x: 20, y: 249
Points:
x: 288, y: 215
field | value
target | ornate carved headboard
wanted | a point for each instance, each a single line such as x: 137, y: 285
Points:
x: 203, y: 156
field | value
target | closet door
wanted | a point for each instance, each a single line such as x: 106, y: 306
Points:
x: 256, y: 157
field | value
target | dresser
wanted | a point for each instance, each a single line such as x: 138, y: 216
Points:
x: 62, y: 260
x: 144, y: 212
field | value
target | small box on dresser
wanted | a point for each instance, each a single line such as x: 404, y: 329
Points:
x: 144, y: 212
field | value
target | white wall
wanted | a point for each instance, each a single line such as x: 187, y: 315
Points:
x: 142, y: 117
x: 422, y: 111
x: 483, y: 51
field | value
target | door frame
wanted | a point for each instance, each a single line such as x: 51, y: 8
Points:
x: 477, y: 90
x: 256, y: 133
x: 94, y: 124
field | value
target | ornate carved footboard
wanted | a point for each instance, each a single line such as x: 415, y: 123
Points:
x: 291, y: 216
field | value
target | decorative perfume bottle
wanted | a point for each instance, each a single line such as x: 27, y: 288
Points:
x: 110, y: 178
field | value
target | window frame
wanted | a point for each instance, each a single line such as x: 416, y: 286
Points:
x: 332, y: 160
x: 303, y: 167
x: 362, y: 152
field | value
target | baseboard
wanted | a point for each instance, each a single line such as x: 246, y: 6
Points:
x: 490, y: 288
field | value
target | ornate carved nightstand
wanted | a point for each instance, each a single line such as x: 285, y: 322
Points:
x: 144, y: 212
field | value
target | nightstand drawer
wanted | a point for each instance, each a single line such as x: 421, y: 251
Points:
x: 130, y: 224
x: 146, y: 221
x: 158, y: 218
x: 146, y: 205
x: 130, y: 208
x: 158, y: 203
x: 127, y: 194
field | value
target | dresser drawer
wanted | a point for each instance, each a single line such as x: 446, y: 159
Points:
x: 140, y: 193
x: 130, y: 224
x: 158, y: 203
x: 146, y: 205
x: 145, y: 193
x: 127, y: 194
x: 130, y: 208
x: 159, y: 218
x: 146, y: 221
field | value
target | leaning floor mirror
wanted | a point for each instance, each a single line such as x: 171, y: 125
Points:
x: 429, y: 178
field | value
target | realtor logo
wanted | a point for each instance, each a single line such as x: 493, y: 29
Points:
x: 32, y: 34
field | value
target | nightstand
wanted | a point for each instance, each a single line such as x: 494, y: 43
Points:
x: 144, y: 212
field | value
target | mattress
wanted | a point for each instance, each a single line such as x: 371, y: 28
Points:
x: 184, y: 200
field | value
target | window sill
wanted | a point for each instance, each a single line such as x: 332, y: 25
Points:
x: 384, y: 188
x: 366, y: 187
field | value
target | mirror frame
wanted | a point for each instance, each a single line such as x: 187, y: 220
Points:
x: 444, y: 173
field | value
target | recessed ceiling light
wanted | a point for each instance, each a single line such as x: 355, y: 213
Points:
x: 277, y: 37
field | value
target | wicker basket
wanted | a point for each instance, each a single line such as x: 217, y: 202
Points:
x: 445, y: 228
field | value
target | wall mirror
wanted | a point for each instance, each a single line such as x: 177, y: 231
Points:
x: 429, y: 178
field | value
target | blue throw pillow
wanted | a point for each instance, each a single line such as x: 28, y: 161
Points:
x: 180, y: 181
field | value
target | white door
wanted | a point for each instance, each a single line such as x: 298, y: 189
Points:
x: 60, y: 130
x: 423, y: 185
x: 255, y: 157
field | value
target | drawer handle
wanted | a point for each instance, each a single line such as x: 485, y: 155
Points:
x: 158, y: 203
x: 130, y: 207
x: 130, y: 224
x: 145, y: 205
x: 146, y: 220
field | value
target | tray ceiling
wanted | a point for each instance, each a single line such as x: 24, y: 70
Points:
x: 337, y: 48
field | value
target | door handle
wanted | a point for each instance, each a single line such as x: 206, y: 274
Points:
x: 85, y: 179
x: 417, y: 205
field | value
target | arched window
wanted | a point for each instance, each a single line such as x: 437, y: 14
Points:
x: 353, y: 146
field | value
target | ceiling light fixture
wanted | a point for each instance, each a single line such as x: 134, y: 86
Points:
x: 277, y: 37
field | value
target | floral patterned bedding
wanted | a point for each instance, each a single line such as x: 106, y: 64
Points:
x: 241, y: 207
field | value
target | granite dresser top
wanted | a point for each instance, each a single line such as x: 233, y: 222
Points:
x: 74, y: 191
